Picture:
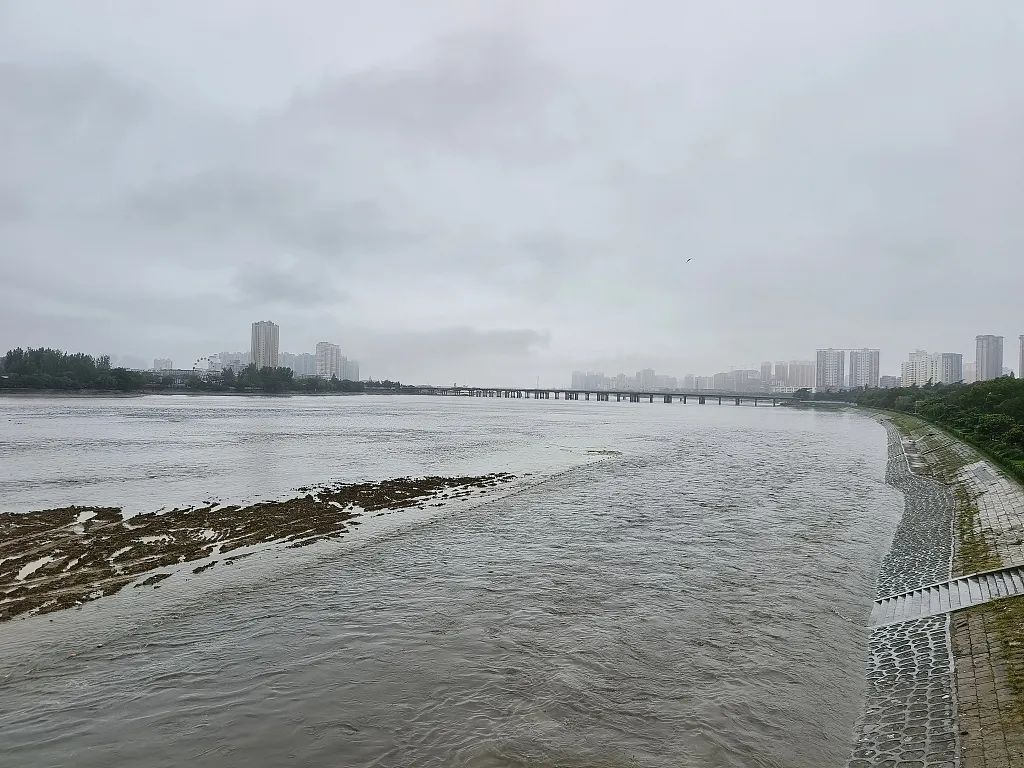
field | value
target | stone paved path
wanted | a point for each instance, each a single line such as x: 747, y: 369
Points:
x: 991, y: 720
x: 910, y: 714
x: 910, y: 711
x: 921, y: 546
x: 986, y: 641
x: 1000, y: 503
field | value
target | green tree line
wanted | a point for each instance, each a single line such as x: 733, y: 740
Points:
x: 54, y: 369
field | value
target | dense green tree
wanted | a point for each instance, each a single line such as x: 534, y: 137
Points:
x: 54, y: 369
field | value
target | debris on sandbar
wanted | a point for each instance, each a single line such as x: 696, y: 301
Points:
x: 59, y: 558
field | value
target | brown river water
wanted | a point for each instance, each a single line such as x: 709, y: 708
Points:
x: 663, y: 585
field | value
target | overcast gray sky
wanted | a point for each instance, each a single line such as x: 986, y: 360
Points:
x: 492, y: 192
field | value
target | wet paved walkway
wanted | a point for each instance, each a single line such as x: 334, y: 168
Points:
x: 910, y: 717
x: 946, y: 681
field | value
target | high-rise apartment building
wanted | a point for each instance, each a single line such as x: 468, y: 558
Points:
x: 801, y: 374
x: 941, y: 368
x: 766, y: 375
x: 236, y: 361
x: 589, y: 380
x: 645, y: 379
x: 781, y: 373
x: 988, y: 362
x: 303, y: 364
x: 328, y: 360
x: 946, y: 367
x: 914, y: 371
x: 1020, y: 365
x: 863, y: 368
x: 888, y: 382
x: 265, y: 341
x: 166, y: 364
x: 969, y: 374
x: 830, y: 370
x: 349, y: 369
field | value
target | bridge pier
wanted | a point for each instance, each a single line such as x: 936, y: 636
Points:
x: 719, y: 399
x: 700, y: 399
x: 737, y: 401
x: 773, y: 402
x: 668, y: 398
x: 684, y: 399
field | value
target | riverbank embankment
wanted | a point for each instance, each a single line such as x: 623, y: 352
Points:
x: 960, y: 672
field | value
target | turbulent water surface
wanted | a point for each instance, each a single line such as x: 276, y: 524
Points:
x: 695, y: 599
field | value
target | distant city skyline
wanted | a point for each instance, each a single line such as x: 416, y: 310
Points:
x: 864, y: 369
x: 829, y: 371
x: 326, y: 361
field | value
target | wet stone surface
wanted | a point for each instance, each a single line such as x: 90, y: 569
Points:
x: 910, y: 716
x: 921, y: 547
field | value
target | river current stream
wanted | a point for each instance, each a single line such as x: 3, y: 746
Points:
x: 663, y: 585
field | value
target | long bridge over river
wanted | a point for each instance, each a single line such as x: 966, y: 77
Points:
x: 632, y: 396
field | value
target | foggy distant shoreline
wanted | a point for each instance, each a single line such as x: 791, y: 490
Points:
x: 177, y: 392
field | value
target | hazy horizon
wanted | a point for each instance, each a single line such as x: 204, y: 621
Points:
x: 504, y: 191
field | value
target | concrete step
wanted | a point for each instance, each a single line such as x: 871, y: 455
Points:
x: 952, y: 595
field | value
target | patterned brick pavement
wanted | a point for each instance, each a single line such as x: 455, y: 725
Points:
x: 991, y: 719
x: 987, y: 641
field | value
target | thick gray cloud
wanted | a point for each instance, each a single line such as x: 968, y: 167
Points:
x: 509, y: 191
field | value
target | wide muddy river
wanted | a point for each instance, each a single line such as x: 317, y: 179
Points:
x: 663, y: 585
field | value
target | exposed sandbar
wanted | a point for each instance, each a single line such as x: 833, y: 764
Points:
x: 59, y: 558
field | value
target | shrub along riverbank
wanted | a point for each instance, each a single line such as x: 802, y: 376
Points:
x: 53, y: 369
x: 988, y: 415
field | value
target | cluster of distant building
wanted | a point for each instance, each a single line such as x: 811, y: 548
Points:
x: 325, y: 362
x: 920, y: 367
x: 831, y: 371
x: 784, y: 376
